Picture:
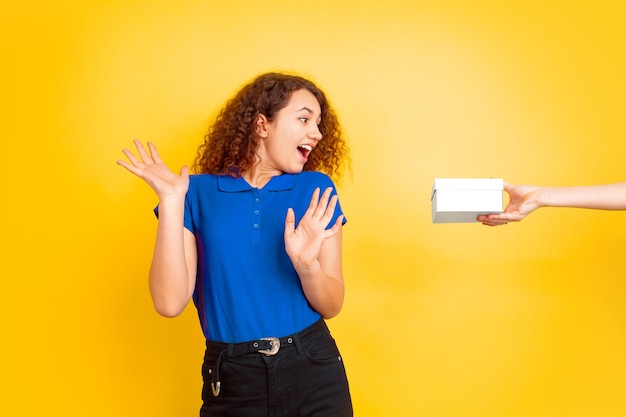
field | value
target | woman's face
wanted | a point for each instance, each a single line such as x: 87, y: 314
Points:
x: 288, y: 140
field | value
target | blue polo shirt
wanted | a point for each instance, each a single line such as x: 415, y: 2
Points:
x: 246, y: 286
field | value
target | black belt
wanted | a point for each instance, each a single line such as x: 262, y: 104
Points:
x: 268, y: 346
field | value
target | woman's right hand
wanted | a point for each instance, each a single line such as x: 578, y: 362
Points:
x: 149, y: 167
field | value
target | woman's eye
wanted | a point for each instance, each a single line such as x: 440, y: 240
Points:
x: 304, y: 119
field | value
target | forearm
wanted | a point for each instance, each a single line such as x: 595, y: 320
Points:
x: 325, y: 293
x: 602, y: 197
x: 170, y: 279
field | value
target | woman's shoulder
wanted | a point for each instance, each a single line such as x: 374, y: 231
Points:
x: 202, y: 181
x: 314, y: 176
x: 315, y: 179
x: 201, y: 177
x: 307, y: 181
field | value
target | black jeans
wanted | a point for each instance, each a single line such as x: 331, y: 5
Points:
x: 305, y: 377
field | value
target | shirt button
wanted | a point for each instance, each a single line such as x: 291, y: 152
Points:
x: 256, y: 200
x: 256, y: 226
x: 256, y: 211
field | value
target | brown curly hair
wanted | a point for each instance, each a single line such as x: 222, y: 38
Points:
x: 231, y: 143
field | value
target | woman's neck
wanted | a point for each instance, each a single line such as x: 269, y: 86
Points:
x: 258, y: 178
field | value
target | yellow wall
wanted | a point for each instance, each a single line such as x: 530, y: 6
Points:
x: 440, y: 320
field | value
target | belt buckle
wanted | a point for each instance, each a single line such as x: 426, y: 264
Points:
x: 274, y: 346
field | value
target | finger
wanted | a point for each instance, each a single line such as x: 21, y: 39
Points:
x: 336, y: 227
x: 330, y: 210
x: 492, y: 224
x: 505, y: 217
x: 131, y: 168
x: 313, y: 204
x: 143, y: 153
x: 314, y: 199
x: 492, y: 220
x: 184, y: 171
x: 125, y: 164
x: 131, y: 156
x: 155, y: 154
x: 323, y: 204
x: 290, y: 222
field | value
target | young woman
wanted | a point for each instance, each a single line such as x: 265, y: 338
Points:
x: 254, y: 238
x: 524, y: 199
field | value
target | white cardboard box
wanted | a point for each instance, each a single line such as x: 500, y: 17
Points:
x: 461, y: 200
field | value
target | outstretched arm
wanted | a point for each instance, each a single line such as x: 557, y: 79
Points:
x: 524, y: 199
x: 172, y: 273
x: 316, y: 253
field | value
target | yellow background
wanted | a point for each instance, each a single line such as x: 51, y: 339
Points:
x: 440, y: 320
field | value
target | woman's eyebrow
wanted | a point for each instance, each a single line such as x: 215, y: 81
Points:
x: 307, y: 109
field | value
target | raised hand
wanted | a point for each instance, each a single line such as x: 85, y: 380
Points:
x: 303, y: 244
x: 149, y: 167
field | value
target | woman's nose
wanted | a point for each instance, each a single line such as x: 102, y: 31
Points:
x: 315, y: 133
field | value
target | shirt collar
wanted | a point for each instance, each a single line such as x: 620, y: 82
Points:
x: 231, y: 184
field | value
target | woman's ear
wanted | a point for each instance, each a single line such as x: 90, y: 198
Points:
x: 261, y: 126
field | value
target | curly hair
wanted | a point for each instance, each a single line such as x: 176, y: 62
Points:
x: 230, y: 146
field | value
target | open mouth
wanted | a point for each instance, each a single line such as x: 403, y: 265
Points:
x: 305, y: 150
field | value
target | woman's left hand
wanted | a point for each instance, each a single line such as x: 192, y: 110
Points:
x: 303, y: 244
